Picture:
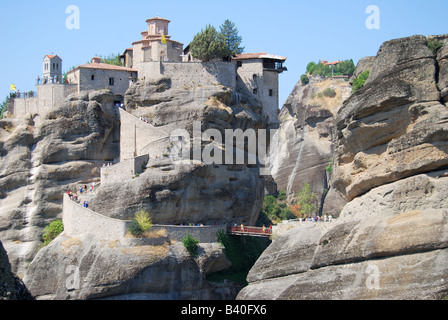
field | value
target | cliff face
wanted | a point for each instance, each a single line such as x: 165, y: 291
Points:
x: 391, y: 154
x: 305, y: 140
x: 86, y: 266
x: 178, y: 192
x: 43, y: 156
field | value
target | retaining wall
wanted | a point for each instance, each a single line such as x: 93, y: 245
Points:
x: 78, y: 220
x: 191, y: 74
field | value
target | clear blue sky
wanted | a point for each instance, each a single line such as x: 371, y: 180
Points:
x: 301, y: 30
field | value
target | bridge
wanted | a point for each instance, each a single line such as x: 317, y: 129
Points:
x: 249, y: 231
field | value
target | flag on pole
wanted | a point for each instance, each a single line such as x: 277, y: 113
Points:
x: 12, y: 87
x: 163, y: 38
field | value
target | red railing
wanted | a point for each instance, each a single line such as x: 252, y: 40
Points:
x: 254, y: 231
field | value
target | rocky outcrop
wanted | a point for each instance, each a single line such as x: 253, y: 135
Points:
x: 87, y: 267
x: 304, y: 140
x: 43, y: 156
x: 396, y: 126
x: 391, y: 165
x: 11, y: 286
x: 185, y: 192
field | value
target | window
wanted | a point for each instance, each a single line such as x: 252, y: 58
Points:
x: 239, y: 64
x: 92, y: 77
x: 111, y: 81
x: 54, y: 66
x: 271, y: 92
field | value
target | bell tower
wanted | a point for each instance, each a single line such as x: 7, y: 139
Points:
x: 52, y: 69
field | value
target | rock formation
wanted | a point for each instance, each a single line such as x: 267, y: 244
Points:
x: 172, y: 192
x: 391, y: 157
x: 304, y: 140
x: 43, y: 156
x: 11, y: 287
x: 87, y: 267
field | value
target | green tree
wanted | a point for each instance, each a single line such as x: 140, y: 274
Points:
x: 3, y: 107
x: 311, y: 67
x: 306, y: 199
x: 113, y: 59
x: 208, y: 45
x: 231, y: 37
x: 304, y: 79
x: 54, y: 229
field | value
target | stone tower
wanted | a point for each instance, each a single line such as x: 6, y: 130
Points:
x: 257, y: 75
x: 52, y: 69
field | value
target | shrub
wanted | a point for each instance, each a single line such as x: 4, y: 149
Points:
x: 142, y: 222
x: 304, y: 79
x: 191, y: 244
x: 330, y: 93
x: 359, y: 82
x: 54, y: 229
x: 434, y: 44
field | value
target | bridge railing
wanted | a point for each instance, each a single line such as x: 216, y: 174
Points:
x: 256, y: 231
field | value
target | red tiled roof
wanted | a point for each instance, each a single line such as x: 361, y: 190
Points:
x: 103, y: 66
x: 51, y: 56
x: 324, y: 62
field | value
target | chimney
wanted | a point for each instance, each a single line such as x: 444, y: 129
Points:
x: 96, y: 60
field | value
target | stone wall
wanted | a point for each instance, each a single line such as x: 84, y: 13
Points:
x: 191, y: 74
x: 49, y: 97
x: 78, y: 220
x: 124, y: 170
x: 140, y: 138
x: 100, y: 80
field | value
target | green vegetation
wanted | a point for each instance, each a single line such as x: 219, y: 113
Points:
x: 54, y: 229
x: 191, y: 244
x: 330, y: 167
x: 304, y: 79
x: 113, y: 59
x: 142, y: 222
x: 231, y: 37
x: 210, y: 44
x: 243, y: 252
x: 306, y: 202
x: 274, y: 209
x: 346, y: 67
x: 434, y: 44
x: 329, y: 93
x: 359, y: 82
x: 3, y: 107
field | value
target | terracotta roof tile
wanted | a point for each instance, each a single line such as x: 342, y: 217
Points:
x: 103, y: 66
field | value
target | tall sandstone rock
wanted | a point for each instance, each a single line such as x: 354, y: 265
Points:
x: 89, y: 266
x: 391, y: 160
x: 303, y: 147
x: 44, y: 155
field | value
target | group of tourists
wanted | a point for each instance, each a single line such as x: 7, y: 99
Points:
x: 324, y: 218
x: 74, y: 196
